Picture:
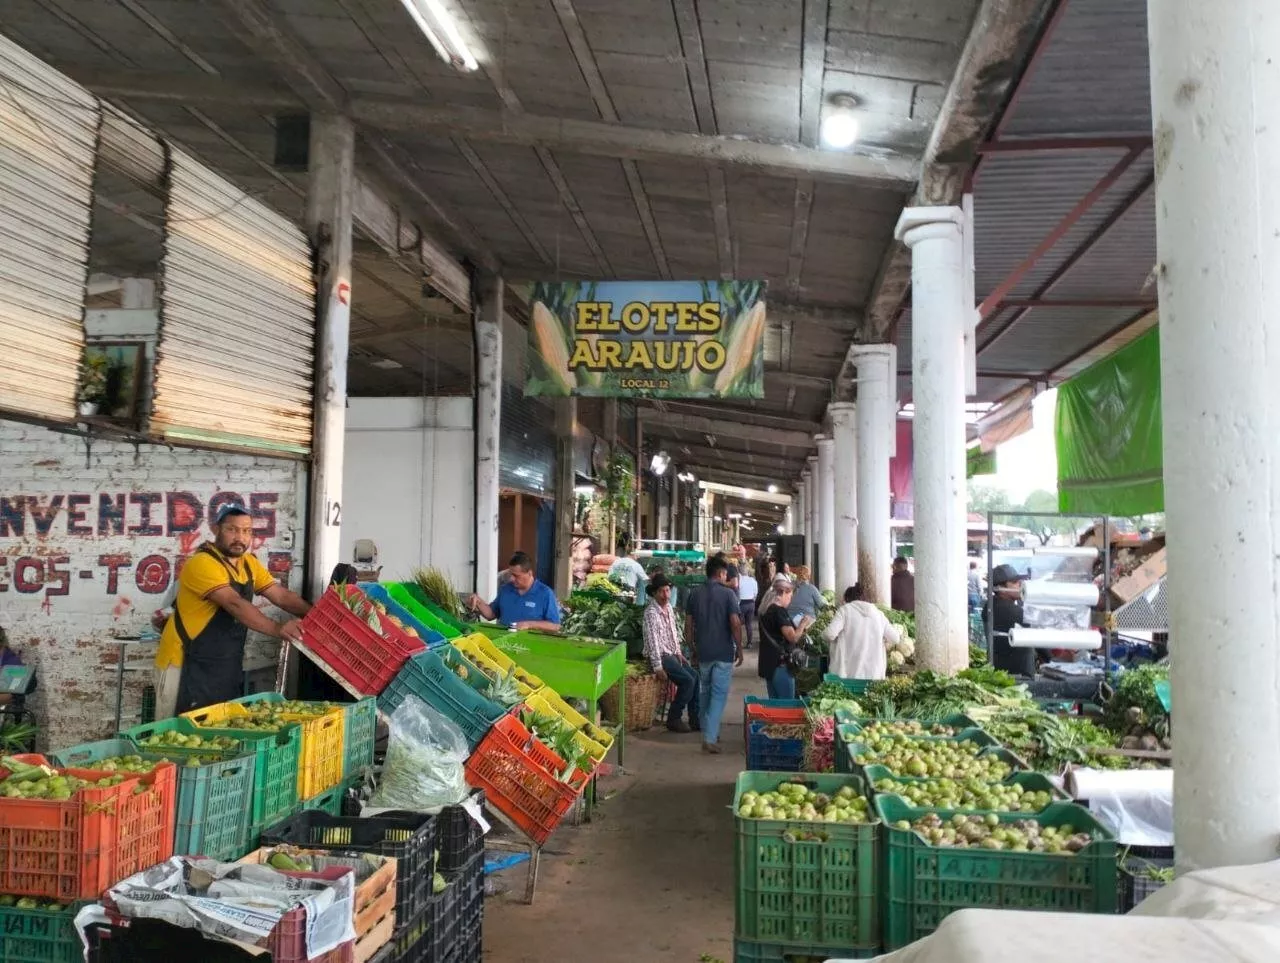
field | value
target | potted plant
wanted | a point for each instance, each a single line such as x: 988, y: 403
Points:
x: 94, y: 372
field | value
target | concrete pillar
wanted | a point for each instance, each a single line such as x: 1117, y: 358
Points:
x: 640, y: 467
x: 1215, y: 95
x: 566, y: 499
x: 938, y: 315
x: 815, y: 511
x: 330, y: 189
x: 487, y: 324
x: 827, y: 523
x: 677, y: 521
x: 876, y: 381
x: 799, y: 518
x: 845, y: 481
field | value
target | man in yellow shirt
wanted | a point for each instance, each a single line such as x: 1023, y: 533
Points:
x: 200, y: 658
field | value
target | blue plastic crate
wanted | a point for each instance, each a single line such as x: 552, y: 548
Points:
x: 427, y: 675
x: 430, y: 637
x: 765, y: 754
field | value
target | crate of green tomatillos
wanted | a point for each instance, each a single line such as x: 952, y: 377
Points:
x: 939, y: 860
x: 1025, y: 792
x: 971, y: 753
x: 806, y: 861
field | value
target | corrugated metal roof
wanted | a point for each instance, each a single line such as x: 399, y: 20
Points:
x: 1108, y: 347
x: 1119, y: 264
x: 1092, y: 77
x: 1046, y: 338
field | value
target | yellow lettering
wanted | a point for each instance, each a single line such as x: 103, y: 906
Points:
x: 639, y: 356
x: 610, y: 354
x: 666, y: 355
x: 687, y: 317
x: 604, y: 314
x: 686, y: 355
x: 588, y: 318
x: 709, y: 316
x: 711, y: 356
x: 635, y: 317
x: 583, y: 356
x: 662, y: 309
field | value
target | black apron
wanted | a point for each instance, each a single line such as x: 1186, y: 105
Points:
x: 213, y: 661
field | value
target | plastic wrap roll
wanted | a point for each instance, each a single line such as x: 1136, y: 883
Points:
x: 1136, y: 804
x: 1055, y: 616
x: 1046, y: 592
x: 1082, y: 551
x: 1021, y: 637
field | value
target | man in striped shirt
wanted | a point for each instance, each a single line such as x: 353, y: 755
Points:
x: 666, y: 657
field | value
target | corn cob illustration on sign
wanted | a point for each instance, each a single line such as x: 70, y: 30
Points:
x: 647, y: 339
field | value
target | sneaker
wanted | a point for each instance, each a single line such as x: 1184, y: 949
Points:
x: 711, y: 747
x: 678, y: 726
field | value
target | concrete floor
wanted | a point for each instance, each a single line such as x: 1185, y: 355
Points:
x: 651, y: 877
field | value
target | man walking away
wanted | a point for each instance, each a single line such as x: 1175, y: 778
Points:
x: 902, y: 587
x: 662, y: 649
x: 713, y: 624
x: 748, y: 591
x: 975, y: 587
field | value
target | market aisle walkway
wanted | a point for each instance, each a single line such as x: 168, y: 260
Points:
x: 651, y: 877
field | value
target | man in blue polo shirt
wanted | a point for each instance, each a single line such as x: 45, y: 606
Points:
x: 523, y: 602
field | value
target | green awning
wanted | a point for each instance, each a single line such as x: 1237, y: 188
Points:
x: 1108, y: 434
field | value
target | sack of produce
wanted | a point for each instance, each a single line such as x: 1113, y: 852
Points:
x: 426, y: 753
x: 604, y: 560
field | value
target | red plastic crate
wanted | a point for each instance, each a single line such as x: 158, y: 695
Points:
x: 75, y: 848
x: 360, y: 655
x: 774, y: 714
x: 520, y: 776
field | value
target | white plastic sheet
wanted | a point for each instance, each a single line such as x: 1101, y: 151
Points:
x: 1136, y: 804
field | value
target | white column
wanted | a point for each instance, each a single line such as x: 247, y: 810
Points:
x: 845, y: 482
x: 488, y: 338
x: 676, y: 520
x: 815, y: 511
x: 827, y: 499
x: 876, y: 383
x: 937, y: 386
x: 799, y: 511
x: 566, y: 500
x: 1216, y: 108
x: 330, y: 190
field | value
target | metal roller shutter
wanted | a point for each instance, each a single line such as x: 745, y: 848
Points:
x: 48, y: 141
x: 237, y: 319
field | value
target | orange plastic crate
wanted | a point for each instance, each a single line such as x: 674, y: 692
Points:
x: 520, y: 777
x: 75, y: 848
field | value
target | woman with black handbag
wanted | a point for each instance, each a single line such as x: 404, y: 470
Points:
x: 781, y: 636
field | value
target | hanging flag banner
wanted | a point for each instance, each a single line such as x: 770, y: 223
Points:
x: 647, y: 339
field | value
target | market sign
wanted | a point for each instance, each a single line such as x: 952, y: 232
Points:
x: 647, y: 339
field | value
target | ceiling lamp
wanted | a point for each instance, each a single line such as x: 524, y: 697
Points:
x: 659, y: 463
x: 436, y: 22
x: 839, y: 129
x: 773, y: 489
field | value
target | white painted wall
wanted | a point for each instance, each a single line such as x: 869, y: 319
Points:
x: 88, y: 551
x: 409, y: 484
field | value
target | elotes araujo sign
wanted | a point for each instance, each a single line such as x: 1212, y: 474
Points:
x: 647, y: 339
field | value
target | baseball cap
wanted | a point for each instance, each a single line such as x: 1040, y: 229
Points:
x: 226, y: 511
x: 1006, y: 573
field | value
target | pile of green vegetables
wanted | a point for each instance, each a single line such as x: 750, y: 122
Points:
x: 1136, y: 689
x: 16, y: 735
x: 29, y: 903
x: 793, y: 801
x: 1045, y: 741
x: 600, y: 582
x: 827, y: 697
x: 504, y: 689
x: 561, y: 738
x: 929, y: 696
x: 438, y: 587
x: 598, y: 619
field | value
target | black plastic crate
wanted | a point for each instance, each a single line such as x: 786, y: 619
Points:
x: 458, y: 838
x: 1132, y: 885
x: 448, y: 930
x: 409, y: 837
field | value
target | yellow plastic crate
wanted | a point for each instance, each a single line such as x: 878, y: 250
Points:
x: 594, y: 740
x: 492, y: 669
x: 320, y: 760
x: 485, y: 654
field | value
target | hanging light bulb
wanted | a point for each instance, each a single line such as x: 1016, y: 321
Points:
x: 839, y: 129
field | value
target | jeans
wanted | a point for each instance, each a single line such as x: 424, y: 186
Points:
x: 748, y: 609
x: 714, y: 678
x: 686, y: 681
x: 781, y: 685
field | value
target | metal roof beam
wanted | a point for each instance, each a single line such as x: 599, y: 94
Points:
x: 1047, y: 145
x: 761, y: 422
x: 728, y: 429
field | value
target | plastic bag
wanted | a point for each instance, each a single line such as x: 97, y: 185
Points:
x: 426, y: 752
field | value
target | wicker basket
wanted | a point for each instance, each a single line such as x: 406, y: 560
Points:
x: 642, y: 702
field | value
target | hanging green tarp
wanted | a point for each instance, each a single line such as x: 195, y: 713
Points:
x: 1110, y: 459
x: 979, y: 462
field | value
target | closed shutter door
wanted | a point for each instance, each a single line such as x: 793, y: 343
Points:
x: 237, y: 320
x: 48, y: 140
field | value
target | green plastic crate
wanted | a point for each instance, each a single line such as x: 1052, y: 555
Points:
x: 855, y: 687
x: 40, y: 935
x: 846, y: 752
x: 575, y: 668
x: 806, y: 892
x: 444, y: 618
x: 214, y: 797
x: 410, y: 598
x: 958, y: 721
x: 275, y: 772
x: 359, y: 734
x: 745, y: 951
x: 924, y: 884
x: 1034, y: 781
x: 329, y: 801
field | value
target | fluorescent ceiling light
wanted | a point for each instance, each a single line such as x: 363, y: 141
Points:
x: 773, y: 489
x: 735, y: 515
x: 584, y: 489
x: 659, y: 463
x: 839, y: 128
x: 438, y: 25
x: 687, y: 476
x: 386, y: 363
x: 782, y: 529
